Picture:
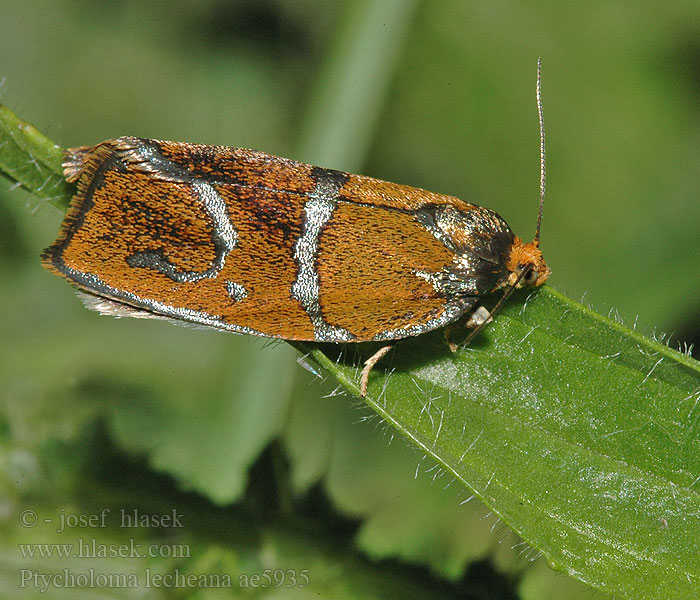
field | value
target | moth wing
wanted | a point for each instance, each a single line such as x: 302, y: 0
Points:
x: 210, y: 235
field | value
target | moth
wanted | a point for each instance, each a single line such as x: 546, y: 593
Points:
x: 247, y: 242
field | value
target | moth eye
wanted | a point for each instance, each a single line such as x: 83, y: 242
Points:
x: 530, y: 277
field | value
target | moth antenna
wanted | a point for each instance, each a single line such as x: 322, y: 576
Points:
x: 543, y: 181
x: 543, y: 154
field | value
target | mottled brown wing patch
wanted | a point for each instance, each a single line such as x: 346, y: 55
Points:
x: 367, y: 269
x: 375, y: 192
x: 240, y: 166
x: 122, y: 210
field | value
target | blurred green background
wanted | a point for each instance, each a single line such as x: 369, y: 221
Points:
x: 270, y: 467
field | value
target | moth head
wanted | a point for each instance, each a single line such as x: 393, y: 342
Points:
x: 526, y: 264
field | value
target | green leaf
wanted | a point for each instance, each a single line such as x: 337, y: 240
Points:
x: 580, y: 434
x: 210, y: 444
x: 226, y: 554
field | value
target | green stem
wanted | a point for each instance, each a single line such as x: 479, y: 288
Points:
x: 32, y: 160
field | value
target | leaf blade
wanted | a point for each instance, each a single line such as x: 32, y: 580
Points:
x: 580, y: 434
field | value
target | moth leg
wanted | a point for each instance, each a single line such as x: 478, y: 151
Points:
x: 479, y: 317
x: 450, y: 343
x: 369, y: 364
x: 477, y: 321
